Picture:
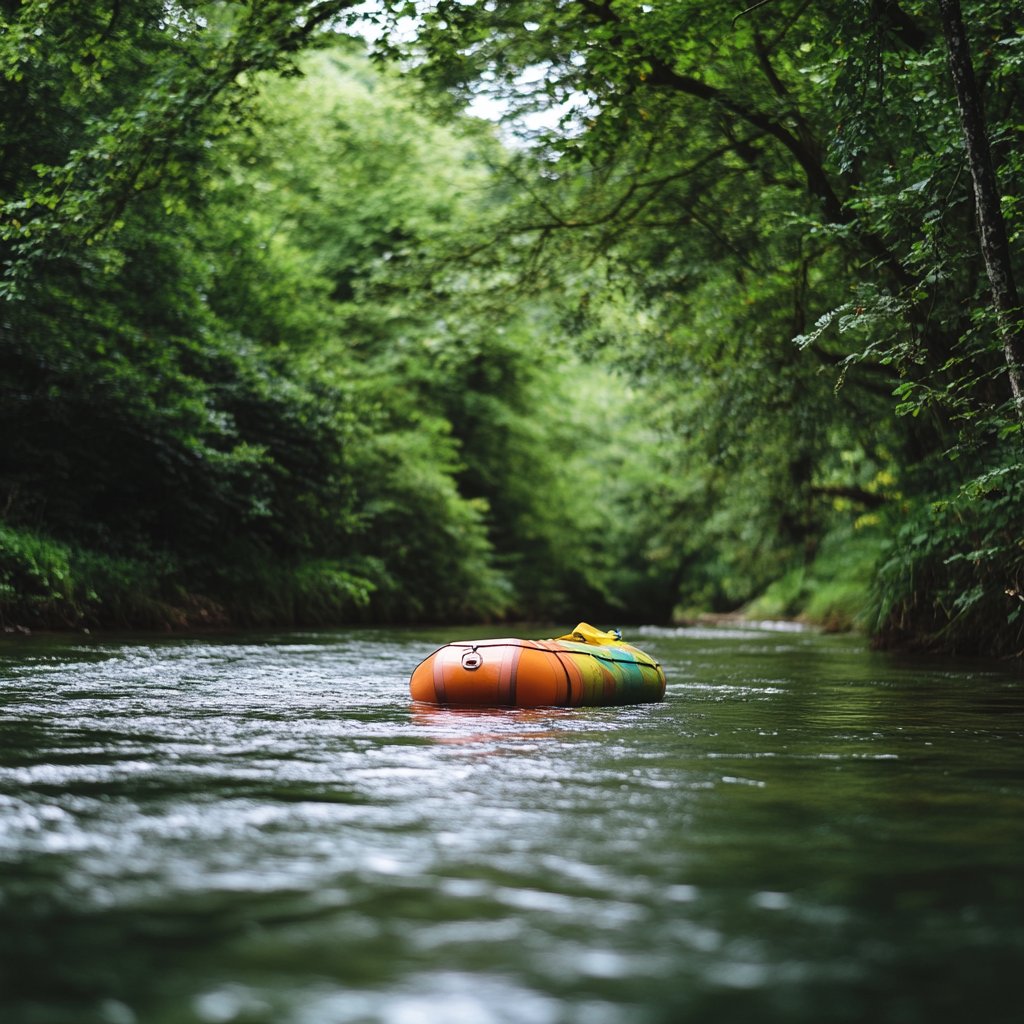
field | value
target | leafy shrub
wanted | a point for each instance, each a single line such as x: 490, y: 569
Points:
x: 54, y: 584
x: 832, y: 591
x: 953, y: 578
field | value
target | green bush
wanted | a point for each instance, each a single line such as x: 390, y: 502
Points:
x: 953, y: 576
x: 54, y: 584
x: 832, y: 591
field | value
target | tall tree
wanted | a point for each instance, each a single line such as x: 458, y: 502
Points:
x: 994, y: 244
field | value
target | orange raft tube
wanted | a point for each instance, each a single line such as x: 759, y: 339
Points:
x: 585, y: 668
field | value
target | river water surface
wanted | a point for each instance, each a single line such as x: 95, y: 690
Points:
x: 264, y: 830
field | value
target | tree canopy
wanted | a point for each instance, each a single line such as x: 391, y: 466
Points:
x: 725, y: 313
x: 788, y: 191
x: 214, y: 406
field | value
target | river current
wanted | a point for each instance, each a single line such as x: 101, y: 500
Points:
x: 263, y: 829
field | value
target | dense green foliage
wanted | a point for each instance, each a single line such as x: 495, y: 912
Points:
x: 783, y: 194
x: 287, y: 337
x: 215, y: 410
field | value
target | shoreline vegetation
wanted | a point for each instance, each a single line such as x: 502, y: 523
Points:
x: 721, y: 318
x: 52, y: 587
x: 831, y: 595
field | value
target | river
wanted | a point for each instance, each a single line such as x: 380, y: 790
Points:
x: 263, y: 830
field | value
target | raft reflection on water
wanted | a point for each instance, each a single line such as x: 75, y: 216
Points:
x: 469, y: 726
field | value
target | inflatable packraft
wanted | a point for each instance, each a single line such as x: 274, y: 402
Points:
x: 585, y: 668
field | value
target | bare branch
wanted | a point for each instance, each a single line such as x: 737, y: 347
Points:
x: 752, y: 7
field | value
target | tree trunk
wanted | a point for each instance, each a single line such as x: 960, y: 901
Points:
x: 995, y: 248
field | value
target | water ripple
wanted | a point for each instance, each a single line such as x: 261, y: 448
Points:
x: 267, y: 830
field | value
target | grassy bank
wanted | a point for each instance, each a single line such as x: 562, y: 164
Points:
x: 833, y: 591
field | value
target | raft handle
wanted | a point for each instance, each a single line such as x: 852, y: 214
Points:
x: 472, y: 660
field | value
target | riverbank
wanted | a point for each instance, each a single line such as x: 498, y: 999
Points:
x: 47, y: 584
x: 53, y: 586
x: 831, y: 592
